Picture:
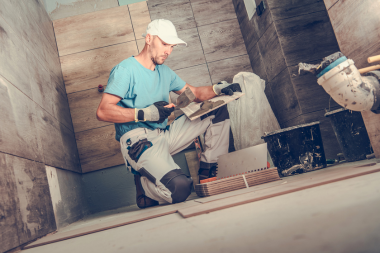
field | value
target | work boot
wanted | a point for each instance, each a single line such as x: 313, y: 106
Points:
x: 207, y: 170
x: 142, y: 200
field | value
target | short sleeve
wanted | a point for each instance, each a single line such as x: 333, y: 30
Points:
x: 118, y: 82
x: 176, y: 82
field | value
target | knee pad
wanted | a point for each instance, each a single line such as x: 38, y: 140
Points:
x: 179, y: 184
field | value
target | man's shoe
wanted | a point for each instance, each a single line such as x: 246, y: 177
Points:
x: 142, y: 201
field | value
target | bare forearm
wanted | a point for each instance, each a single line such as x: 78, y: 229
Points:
x: 203, y: 93
x: 115, y: 114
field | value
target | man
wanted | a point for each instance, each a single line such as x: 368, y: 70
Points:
x: 136, y: 100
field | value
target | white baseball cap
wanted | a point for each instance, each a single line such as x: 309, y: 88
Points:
x: 165, y: 30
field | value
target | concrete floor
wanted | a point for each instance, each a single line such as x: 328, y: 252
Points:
x: 339, y: 217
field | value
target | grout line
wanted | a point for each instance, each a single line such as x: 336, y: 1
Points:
x: 6, y: 153
x: 95, y: 128
x: 196, y: 26
x: 134, y: 33
x: 332, y: 6
x: 124, y: 42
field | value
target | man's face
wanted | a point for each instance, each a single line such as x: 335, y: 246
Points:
x: 160, y: 50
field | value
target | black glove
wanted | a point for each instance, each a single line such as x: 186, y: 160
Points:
x: 226, y: 88
x: 156, y: 113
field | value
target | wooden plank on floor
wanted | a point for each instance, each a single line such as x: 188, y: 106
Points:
x: 140, y: 18
x: 310, y: 180
x: 83, y: 106
x: 222, y: 40
x: 98, y: 149
x: 86, y: 70
x: 141, y: 215
x: 80, y: 33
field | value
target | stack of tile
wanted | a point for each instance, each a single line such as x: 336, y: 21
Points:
x: 237, y: 182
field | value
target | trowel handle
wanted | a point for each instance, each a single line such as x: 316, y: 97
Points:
x: 368, y: 69
x: 374, y: 58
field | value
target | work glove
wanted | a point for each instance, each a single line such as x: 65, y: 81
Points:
x: 226, y: 88
x: 155, y: 113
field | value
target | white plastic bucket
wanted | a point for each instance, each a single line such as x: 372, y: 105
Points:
x: 347, y: 87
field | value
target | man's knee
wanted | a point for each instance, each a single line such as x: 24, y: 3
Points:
x: 181, y: 188
x: 178, y: 184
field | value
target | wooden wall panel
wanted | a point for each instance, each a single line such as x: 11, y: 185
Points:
x: 83, y: 106
x: 187, y: 56
x: 18, y: 124
x: 140, y: 44
x: 291, y: 8
x: 247, y: 28
x: 330, y: 3
x: 140, y: 18
x: 285, y: 98
x: 222, y: 40
x: 9, y: 210
x: 81, y: 7
x: 356, y: 28
x: 81, y: 33
x: 257, y: 63
x: 177, y: 11
x: 13, y: 58
x: 225, y: 70
x: 208, y: 12
x: 34, y: 201
x: 271, y: 52
x: 307, y: 38
x: 88, y: 69
x: 98, y: 149
x: 196, y: 76
x: 311, y: 96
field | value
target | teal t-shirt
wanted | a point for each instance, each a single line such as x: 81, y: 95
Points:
x: 140, y: 87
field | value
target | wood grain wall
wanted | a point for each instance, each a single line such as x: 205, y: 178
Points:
x: 216, y: 49
x: 35, y: 127
x: 90, y: 47
x: 287, y: 33
x: 356, y: 26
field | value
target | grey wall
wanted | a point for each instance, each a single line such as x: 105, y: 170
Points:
x: 35, y: 126
x: 287, y: 33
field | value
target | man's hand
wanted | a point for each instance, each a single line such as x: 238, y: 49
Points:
x: 157, y: 113
x: 226, y: 88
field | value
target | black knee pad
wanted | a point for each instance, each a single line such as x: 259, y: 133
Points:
x: 179, y: 184
x: 221, y: 114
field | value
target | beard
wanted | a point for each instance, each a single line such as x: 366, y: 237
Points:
x: 156, y: 60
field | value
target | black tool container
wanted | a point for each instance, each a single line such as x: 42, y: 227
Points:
x: 296, y: 149
x: 351, y: 133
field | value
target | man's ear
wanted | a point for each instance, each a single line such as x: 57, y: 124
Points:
x: 148, y: 39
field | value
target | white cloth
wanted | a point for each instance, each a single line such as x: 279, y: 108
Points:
x: 251, y: 115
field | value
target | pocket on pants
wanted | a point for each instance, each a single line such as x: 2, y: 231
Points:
x: 138, y: 148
